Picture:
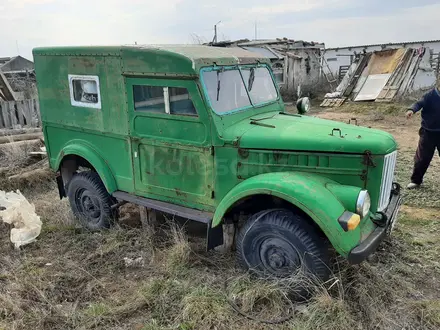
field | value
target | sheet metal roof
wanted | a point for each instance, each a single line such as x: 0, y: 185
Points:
x: 196, y: 52
x: 264, y: 51
x: 4, y: 60
x: 180, y: 59
x: 192, y: 52
x: 386, y: 44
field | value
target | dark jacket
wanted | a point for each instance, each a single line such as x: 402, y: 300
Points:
x: 430, y: 103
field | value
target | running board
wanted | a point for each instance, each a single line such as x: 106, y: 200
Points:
x: 181, y: 211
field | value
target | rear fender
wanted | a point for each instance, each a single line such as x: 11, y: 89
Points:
x: 305, y: 191
x: 83, y: 149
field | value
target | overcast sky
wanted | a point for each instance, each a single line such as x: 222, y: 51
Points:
x: 32, y: 23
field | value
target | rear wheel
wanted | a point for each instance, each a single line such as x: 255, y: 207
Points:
x: 90, y: 201
x: 280, y: 243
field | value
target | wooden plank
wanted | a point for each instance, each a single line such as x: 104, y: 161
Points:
x: 20, y: 113
x: 357, y: 74
x: 20, y: 137
x: 333, y: 102
x: 20, y: 144
x: 7, y: 90
x: 27, y: 113
x: 13, y: 114
x: 2, y: 121
x: 30, y: 113
x: 5, y: 114
x: 37, y: 110
x: 19, y: 131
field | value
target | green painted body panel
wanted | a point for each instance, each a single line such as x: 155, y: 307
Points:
x: 208, y: 161
x: 303, y: 133
x: 309, y: 193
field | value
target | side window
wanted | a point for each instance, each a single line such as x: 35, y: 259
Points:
x: 171, y: 100
x: 84, y: 91
x: 180, y: 102
x: 149, y: 98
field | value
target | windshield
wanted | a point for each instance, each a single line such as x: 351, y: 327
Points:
x: 259, y: 84
x: 232, y: 89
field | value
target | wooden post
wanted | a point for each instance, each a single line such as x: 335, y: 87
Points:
x: 148, y: 218
x: 20, y: 113
x: 27, y: 112
x: 7, y: 90
x: 2, y: 121
x: 12, y: 113
x: 37, y: 111
x: 228, y: 238
x: 6, y: 116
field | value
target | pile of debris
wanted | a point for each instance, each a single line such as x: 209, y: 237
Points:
x: 297, y: 64
x: 382, y: 76
x: 17, y: 79
x: 23, y: 158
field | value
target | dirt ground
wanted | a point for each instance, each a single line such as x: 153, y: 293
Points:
x: 128, y: 278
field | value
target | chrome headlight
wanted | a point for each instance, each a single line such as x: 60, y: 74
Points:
x: 363, y: 203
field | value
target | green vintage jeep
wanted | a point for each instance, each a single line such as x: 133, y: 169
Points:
x: 202, y: 133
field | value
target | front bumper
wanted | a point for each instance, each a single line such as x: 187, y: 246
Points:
x: 389, y: 217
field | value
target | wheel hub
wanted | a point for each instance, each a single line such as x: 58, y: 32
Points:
x: 89, y: 205
x: 279, y: 256
x: 276, y: 259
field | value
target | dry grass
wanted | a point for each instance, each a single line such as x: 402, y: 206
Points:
x: 73, y: 279
x: 15, y: 155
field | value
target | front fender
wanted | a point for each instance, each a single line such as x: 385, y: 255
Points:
x: 83, y: 149
x: 306, y: 191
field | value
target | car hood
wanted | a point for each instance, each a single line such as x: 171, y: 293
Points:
x: 305, y: 133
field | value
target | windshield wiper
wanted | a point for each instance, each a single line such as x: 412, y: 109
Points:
x: 251, y: 79
x: 253, y: 122
x: 264, y: 118
x: 218, y: 83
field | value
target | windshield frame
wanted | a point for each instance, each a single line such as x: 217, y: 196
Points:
x: 239, y: 68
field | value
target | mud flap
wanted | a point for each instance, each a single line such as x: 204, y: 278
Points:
x: 60, y: 184
x: 214, y: 236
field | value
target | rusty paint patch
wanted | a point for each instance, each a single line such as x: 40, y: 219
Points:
x: 180, y: 192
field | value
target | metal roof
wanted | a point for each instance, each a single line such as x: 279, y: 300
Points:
x: 196, y: 52
x: 264, y: 51
x: 4, y: 60
x: 386, y: 44
x: 284, y: 41
x: 179, y: 59
x: 192, y: 52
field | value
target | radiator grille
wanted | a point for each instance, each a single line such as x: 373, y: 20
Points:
x: 387, y: 180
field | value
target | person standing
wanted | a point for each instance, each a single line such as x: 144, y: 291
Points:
x: 429, y: 134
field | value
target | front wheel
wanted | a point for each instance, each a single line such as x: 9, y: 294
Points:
x: 90, y: 202
x: 280, y: 243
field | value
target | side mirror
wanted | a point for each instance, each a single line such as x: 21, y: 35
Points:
x: 303, y: 105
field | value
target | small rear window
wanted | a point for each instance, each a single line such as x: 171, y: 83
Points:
x: 84, y: 91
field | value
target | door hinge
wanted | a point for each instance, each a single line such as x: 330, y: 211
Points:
x: 212, y: 151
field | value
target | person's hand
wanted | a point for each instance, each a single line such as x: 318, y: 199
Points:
x: 409, y: 114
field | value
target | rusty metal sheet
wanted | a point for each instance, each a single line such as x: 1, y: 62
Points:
x: 372, y: 87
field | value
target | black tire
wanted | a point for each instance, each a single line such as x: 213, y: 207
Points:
x: 90, y: 201
x: 279, y: 243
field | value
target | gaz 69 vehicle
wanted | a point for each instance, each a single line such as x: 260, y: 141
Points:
x: 202, y: 133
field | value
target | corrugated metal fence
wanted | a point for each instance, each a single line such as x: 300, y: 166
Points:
x: 18, y: 114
